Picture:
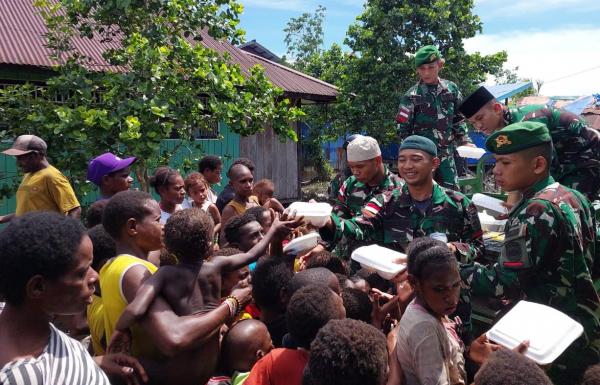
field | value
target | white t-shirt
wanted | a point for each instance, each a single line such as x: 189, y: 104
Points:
x: 165, y: 215
x: 64, y: 361
x: 211, y: 196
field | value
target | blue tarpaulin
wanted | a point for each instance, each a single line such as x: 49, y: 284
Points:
x: 579, y: 105
x: 505, y: 91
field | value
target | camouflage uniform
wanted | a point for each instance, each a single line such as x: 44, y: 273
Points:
x: 431, y: 111
x: 334, y: 186
x: 548, y: 257
x: 396, y: 221
x: 353, y: 196
x: 576, y: 160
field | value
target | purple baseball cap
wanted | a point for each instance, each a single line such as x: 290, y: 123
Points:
x: 105, y: 164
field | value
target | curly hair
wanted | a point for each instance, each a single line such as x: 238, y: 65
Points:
x: 327, y: 260
x: 347, y: 352
x: 234, y: 225
x: 257, y: 212
x: 123, y: 206
x: 162, y: 177
x: 315, y: 276
x: 269, y: 279
x: 309, y: 309
x: 591, y: 375
x: 373, y: 279
x: 210, y: 162
x: 506, y: 367
x: 194, y: 179
x: 93, y: 216
x: 188, y: 234
x: 426, y: 255
x: 261, y: 184
x: 227, y: 252
x: 104, y: 246
x: 358, y: 304
x: 39, y: 243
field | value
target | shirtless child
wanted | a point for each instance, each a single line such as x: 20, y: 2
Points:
x: 264, y: 190
x: 187, y: 235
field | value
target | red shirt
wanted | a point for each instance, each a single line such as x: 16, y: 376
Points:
x: 279, y: 367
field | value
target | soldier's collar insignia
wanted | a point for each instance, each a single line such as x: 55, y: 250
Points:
x: 502, y: 140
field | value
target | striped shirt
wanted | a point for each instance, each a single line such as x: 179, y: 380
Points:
x: 63, y: 362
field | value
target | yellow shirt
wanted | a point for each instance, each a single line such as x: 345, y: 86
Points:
x: 241, y: 208
x: 95, y: 318
x: 45, y: 190
x: 111, y: 278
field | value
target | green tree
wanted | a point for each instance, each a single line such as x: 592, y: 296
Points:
x: 304, y: 41
x: 304, y: 37
x: 166, y: 83
x: 383, y: 40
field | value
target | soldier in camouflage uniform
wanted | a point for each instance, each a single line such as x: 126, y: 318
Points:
x: 547, y: 256
x: 576, y: 158
x: 429, y: 109
x: 371, y: 177
x: 419, y: 208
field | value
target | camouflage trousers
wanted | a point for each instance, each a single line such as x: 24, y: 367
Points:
x: 586, y: 181
x: 446, y: 175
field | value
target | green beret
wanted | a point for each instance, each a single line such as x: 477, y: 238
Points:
x: 416, y: 142
x: 518, y: 136
x: 426, y: 55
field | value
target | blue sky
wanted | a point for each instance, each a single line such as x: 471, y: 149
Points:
x: 553, y: 42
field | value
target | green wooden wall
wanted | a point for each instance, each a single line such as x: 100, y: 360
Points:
x: 228, y: 148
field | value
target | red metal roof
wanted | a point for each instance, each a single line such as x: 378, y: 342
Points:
x: 22, y: 42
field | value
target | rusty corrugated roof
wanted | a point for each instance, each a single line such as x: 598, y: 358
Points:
x: 22, y: 42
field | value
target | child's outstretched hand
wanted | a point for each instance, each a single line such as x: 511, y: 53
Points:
x: 120, y: 342
x: 286, y: 223
x: 481, y: 348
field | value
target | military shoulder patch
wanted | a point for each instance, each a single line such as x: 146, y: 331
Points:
x: 402, y: 116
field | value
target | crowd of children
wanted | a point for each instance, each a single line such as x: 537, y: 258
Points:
x: 197, y: 290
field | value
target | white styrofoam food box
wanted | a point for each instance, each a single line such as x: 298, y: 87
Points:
x: 470, y: 152
x: 300, y: 244
x: 548, y: 331
x: 489, y: 203
x: 380, y: 259
x: 316, y: 213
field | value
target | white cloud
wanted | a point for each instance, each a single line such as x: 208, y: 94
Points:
x: 522, y: 8
x: 550, y: 56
